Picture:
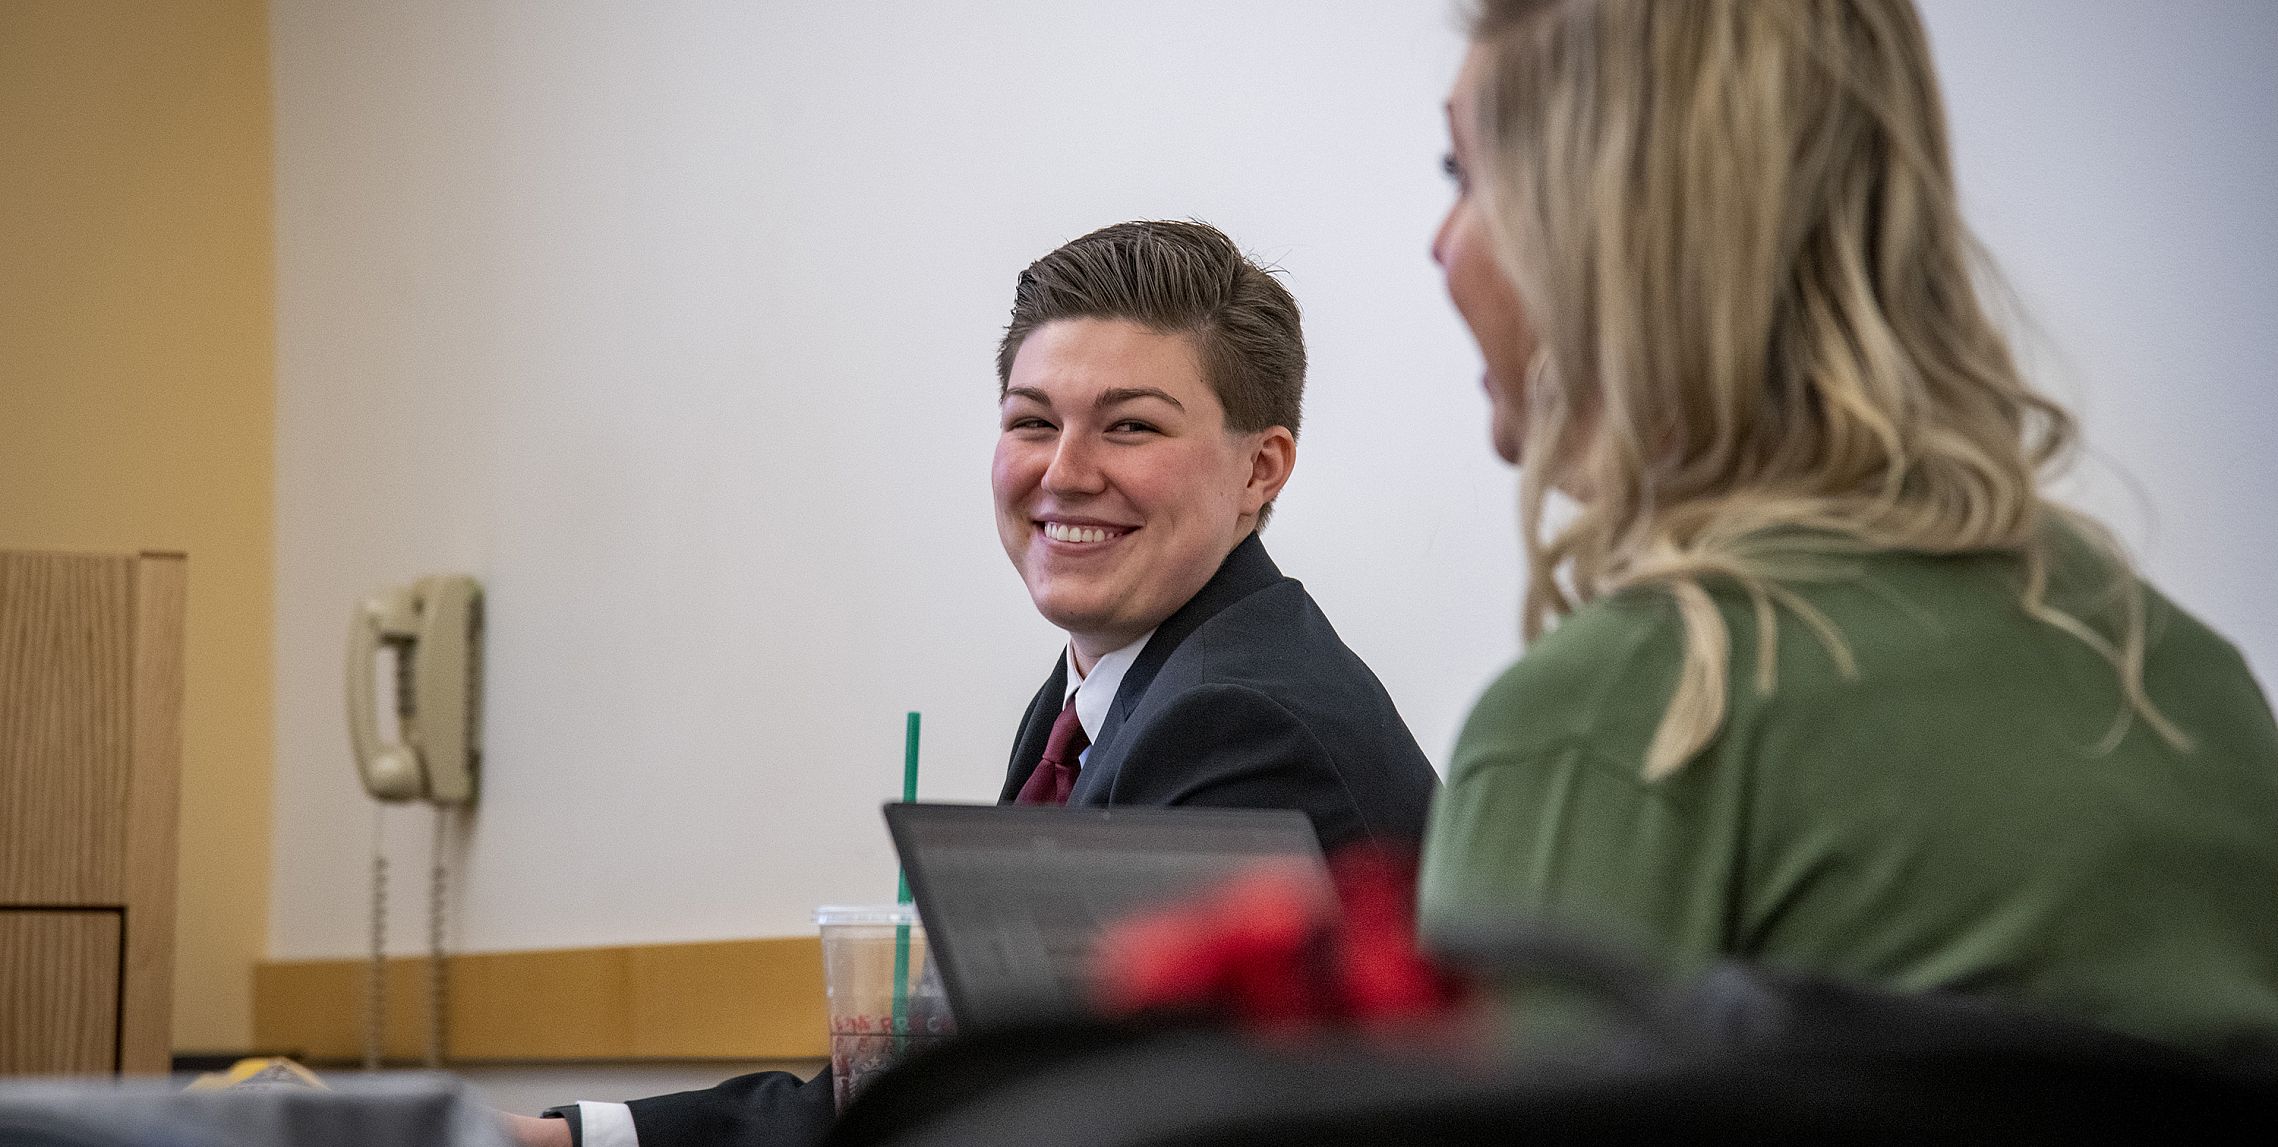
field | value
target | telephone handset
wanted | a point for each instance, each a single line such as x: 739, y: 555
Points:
x: 434, y: 628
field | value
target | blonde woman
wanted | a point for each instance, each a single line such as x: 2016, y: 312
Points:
x: 1816, y: 674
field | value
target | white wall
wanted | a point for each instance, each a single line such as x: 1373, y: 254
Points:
x: 2120, y: 157
x: 674, y: 324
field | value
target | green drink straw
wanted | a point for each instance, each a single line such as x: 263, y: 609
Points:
x: 902, y: 931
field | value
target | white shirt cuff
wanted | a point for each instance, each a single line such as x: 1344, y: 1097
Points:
x: 606, y: 1125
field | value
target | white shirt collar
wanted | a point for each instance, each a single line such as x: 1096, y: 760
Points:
x: 1095, y: 694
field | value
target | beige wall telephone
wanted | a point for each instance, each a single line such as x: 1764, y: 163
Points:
x: 434, y: 628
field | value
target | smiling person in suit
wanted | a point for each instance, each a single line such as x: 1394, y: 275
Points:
x: 1149, y: 385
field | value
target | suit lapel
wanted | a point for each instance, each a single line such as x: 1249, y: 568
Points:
x: 1244, y: 572
x: 1035, y: 729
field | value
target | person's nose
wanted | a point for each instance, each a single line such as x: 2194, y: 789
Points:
x: 1075, y: 470
x: 1442, y: 237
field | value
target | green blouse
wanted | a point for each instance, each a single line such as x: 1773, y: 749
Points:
x: 1946, y: 818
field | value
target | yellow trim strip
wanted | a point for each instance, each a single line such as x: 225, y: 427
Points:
x: 728, y: 999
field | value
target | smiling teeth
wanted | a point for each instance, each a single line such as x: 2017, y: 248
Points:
x: 1060, y: 533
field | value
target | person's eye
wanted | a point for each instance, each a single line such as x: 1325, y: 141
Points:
x: 1026, y: 422
x: 1452, y: 167
x: 1131, y: 426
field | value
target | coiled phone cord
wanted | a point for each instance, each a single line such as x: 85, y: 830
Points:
x: 376, y: 975
x: 438, y: 970
x: 438, y: 974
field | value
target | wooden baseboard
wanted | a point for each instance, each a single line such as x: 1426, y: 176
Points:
x: 729, y: 999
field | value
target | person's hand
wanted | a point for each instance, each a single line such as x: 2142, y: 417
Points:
x: 530, y: 1132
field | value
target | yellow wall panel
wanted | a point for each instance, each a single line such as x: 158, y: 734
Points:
x: 728, y: 1000
x: 137, y: 390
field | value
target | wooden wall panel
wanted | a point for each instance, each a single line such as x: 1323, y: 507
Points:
x: 152, y: 815
x: 757, y: 999
x: 59, y: 989
x: 90, y: 756
x: 565, y: 1004
x: 66, y: 737
x: 314, y: 1009
x: 730, y: 999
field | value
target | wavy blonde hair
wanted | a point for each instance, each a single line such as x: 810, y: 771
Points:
x: 1733, y: 227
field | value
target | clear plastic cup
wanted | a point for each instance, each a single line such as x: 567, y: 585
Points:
x: 866, y: 952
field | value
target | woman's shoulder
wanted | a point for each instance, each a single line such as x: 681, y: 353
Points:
x: 1600, y: 679
x: 1604, y: 678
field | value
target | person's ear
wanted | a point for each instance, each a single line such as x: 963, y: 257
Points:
x: 1273, y: 454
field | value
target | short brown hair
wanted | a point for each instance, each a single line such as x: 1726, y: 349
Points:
x: 1177, y: 278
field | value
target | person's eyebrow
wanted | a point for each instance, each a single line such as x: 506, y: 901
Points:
x: 1117, y: 396
x: 1028, y: 392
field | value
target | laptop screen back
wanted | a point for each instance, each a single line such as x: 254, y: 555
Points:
x: 1014, y: 897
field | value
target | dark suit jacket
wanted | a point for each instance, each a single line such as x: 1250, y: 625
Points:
x: 1246, y: 698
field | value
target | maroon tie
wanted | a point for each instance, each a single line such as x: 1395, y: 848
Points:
x: 1055, y: 775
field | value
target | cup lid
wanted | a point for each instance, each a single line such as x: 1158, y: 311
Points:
x: 874, y: 914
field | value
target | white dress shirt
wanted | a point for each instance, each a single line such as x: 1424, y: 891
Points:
x: 1095, y: 692
x: 611, y: 1124
x: 605, y: 1125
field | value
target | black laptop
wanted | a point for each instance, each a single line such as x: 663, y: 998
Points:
x: 1013, y: 897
